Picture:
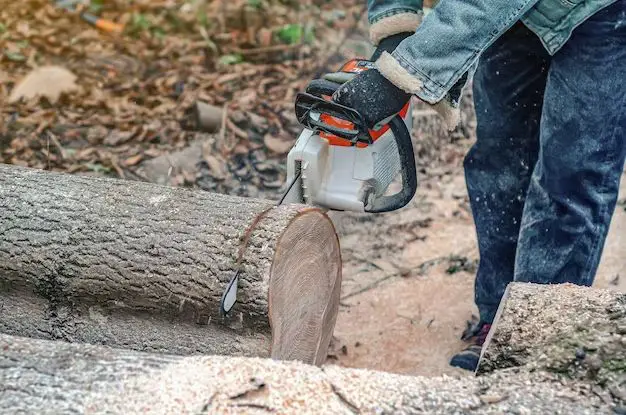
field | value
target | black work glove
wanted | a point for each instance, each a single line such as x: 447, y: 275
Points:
x: 370, y: 93
x: 389, y: 44
x: 378, y: 99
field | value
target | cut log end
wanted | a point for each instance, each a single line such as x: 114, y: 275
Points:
x: 304, y: 289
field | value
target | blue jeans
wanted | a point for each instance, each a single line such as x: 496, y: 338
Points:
x: 544, y: 173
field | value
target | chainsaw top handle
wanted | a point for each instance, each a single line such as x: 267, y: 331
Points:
x: 309, y: 111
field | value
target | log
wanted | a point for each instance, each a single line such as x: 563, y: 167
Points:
x: 142, y: 266
x: 565, y: 328
x: 39, y: 376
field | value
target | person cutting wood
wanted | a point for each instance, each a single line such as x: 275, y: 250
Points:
x: 549, y: 84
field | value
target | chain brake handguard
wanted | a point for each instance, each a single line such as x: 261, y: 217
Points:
x: 308, y: 104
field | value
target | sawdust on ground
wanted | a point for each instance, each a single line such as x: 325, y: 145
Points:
x: 411, y: 322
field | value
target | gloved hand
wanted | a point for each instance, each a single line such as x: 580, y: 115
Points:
x: 378, y: 99
x: 373, y: 95
x: 387, y: 101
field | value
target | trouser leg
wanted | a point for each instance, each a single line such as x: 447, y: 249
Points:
x: 508, y: 92
x: 574, y: 187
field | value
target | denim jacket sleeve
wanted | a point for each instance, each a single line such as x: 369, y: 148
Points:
x: 447, y: 44
x: 437, y: 60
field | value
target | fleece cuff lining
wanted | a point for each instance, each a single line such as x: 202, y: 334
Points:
x: 394, y: 24
x: 389, y: 67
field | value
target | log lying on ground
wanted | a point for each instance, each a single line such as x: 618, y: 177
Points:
x: 566, y: 329
x: 40, y: 377
x: 144, y: 267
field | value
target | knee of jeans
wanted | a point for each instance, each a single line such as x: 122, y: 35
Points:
x: 579, y: 207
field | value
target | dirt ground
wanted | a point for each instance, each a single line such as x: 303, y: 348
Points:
x: 408, y: 276
x: 408, y: 279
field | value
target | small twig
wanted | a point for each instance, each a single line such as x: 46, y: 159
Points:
x: 355, y: 409
x: 255, y: 405
x: 208, y: 404
x: 421, y: 271
x: 238, y: 131
x: 370, y: 286
x: 223, y: 126
x: 233, y: 76
x: 48, y: 151
x: 136, y: 175
x: 56, y: 142
x: 424, y: 266
x: 117, y: 167
x: 266, y: 49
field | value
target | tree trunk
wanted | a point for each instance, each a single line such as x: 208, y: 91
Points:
x: 40, y: 377
x: 565, y: 328
x: 144, y: 267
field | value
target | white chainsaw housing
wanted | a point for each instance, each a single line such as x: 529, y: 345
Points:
x: 341, y: 178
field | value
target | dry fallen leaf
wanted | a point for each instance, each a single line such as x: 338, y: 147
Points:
x: 46, y: 81
x: 276, y: 144
x: 133, y: 160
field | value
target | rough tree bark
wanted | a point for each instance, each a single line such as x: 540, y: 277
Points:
x: 566, y: 329
x: 143, y: 266
x: 38, y: 376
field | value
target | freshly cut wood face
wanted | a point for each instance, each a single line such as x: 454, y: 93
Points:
x: 304, y: 291
x: 144, y: 267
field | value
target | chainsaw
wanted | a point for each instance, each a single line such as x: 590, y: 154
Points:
x: 337, y: 162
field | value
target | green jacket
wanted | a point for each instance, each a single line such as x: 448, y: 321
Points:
x: 554, y: 20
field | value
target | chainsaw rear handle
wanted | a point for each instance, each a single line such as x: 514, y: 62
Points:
x: 408, y: 172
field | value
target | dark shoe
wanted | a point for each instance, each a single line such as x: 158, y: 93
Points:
x: 468, y: 358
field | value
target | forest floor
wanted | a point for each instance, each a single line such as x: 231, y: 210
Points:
x: 408, y: 275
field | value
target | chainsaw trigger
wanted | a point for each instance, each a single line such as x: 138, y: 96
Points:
x: 230, y: 295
